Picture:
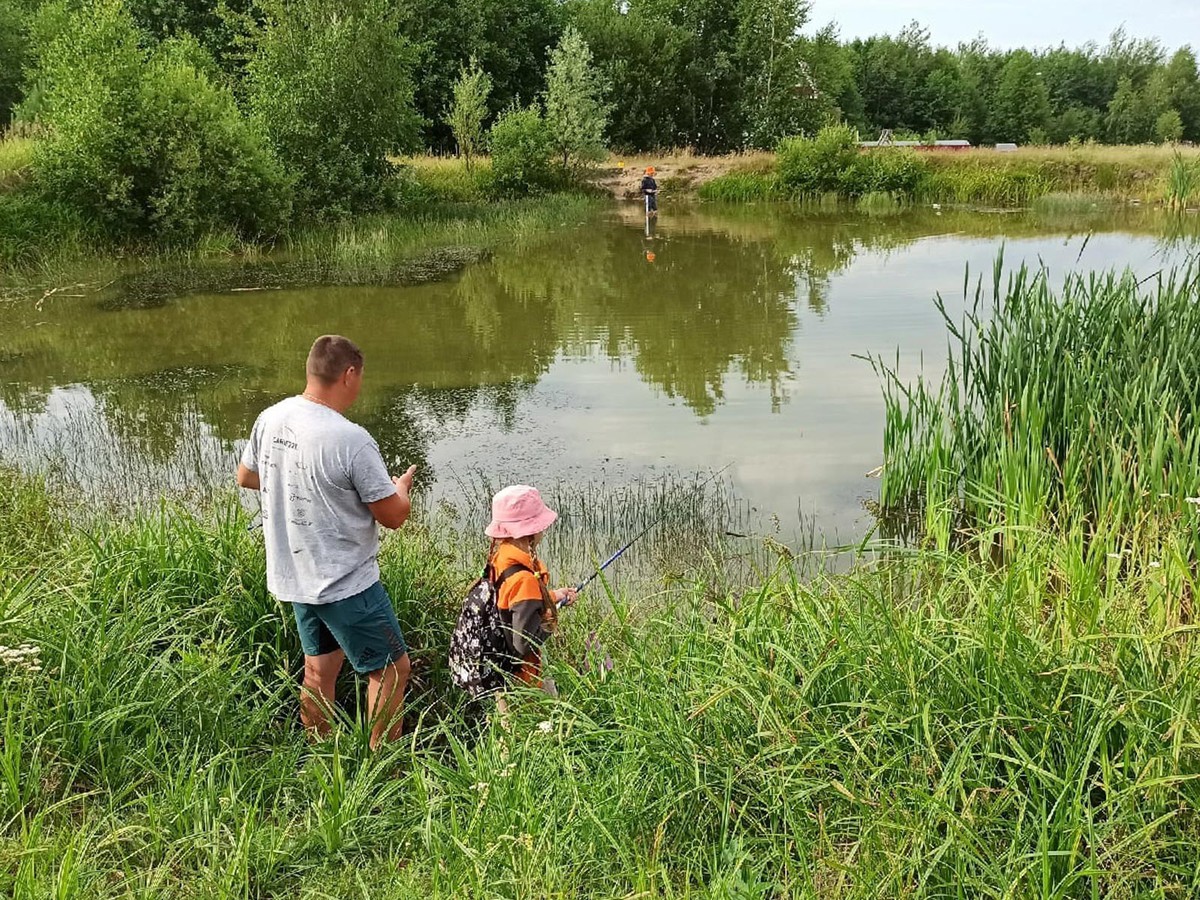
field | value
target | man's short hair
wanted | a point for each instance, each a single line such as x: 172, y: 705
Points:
x: 331, y: 355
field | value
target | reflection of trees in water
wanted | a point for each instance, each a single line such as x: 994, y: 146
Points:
x: 155, y: 415
x: 704, y: 307
x: 406, y: 425
x: 721, y: 298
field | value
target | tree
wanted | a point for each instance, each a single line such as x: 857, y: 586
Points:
x: 1181, y: 90
x: 576, y: 113
x: 1168, y: 129
x: 1077, y: 123
x: 445, y: 34
x: 776, y: 81
x: 332, y: 88
x: 703, y: 88
x: 1129, y: 120
x: 1022, y: 100
x: 142, y: 143
x: 210, y: 22
x: 514, y: 38
x: 521, y: 148
x: 637, y: 52
x: 14, y: 43
x: 831, y: 67
x: 892, y: 75
x: 466, y: 116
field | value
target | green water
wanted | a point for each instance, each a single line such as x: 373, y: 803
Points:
x: 597, y: 356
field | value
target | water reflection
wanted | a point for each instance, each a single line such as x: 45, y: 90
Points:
x: 687, y: 341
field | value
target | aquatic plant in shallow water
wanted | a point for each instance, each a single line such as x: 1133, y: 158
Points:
x: 1183, y: 180
x: 1076, y: 409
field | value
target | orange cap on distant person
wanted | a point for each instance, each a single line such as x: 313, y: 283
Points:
x: 650, y: 256
x: 649, y: 170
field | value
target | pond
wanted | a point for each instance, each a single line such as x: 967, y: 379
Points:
x: 723, y: 340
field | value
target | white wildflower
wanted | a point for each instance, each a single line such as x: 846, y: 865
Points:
x: 545, y: 727
x: 27, y: 657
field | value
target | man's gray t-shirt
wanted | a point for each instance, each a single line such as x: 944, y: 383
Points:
x: 317, y: 472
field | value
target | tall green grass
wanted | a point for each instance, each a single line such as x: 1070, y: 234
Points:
x: 741, y: 187
x: 1183, y: 181
x: 931, y: 727
x: 832, y: 162
x: 16, y: 157
x: 1076, y: 410
x: 381, y: 240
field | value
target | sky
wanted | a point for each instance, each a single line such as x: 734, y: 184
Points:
x: 1017, y: 23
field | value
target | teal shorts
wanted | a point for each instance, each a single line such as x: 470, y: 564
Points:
x: 364, y: 626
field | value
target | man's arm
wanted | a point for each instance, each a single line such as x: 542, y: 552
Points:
x: 392, y: 512
x: 247, y: 478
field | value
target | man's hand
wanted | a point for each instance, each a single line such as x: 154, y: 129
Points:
x: 404, y: 482
x: 566, y: 596
x: 391, y: 512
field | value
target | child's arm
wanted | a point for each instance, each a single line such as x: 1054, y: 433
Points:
x: 529, y: 630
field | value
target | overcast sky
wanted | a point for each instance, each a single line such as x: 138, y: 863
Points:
x: 1017, y: 23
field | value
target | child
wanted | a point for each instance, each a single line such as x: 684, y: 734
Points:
x: 527, y: 605
x: 650, y: 192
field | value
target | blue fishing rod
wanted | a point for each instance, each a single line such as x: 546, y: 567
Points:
x: 641, y: 534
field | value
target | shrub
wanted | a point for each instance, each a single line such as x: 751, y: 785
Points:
x: 818, y: 165
x: 521, y: 149
x: 143, y: 144
x: 332, y: 86
x: 891, y: 171
x: 832, y: 162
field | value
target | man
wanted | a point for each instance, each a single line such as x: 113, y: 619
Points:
x: 650, y: 192
x: 325, y: 490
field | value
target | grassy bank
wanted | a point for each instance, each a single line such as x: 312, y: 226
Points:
x: 417, y: 242
x: 434, y: 200
x: 931, y: 726
x: 989, y: 177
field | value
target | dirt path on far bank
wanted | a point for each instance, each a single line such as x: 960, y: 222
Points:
x: 676, y: 173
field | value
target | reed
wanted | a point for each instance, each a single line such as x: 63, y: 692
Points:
x: 1075, y: 410
x: 1183, y: 180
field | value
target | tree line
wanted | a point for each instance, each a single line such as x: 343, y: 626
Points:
x: 301, y: 105
x: 716, y: 75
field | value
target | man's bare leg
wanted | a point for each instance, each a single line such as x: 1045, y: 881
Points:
x: 318, y: 693
x: 385, y: 700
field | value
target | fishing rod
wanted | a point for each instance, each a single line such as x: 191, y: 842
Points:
x: 641, y: 534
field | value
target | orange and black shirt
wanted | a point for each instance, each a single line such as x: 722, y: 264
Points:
x: 523, y: 597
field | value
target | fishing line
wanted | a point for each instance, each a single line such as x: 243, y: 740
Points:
x: 641, y: 534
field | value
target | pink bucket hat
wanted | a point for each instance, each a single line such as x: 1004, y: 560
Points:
x: 518, y: 511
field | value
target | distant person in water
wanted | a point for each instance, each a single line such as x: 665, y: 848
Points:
x: 325, y: 491
x: 650, y: 191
